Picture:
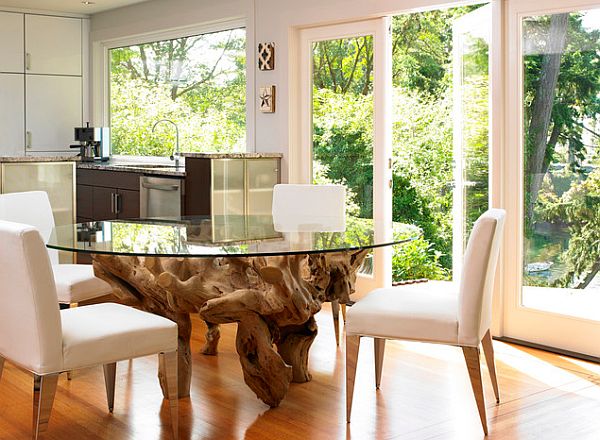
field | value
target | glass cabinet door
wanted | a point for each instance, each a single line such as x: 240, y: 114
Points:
x: 261, y: 176
x: 57, y: 179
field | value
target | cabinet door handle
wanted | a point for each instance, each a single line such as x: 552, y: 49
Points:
x: 112, y: 203
x: 27, y: 61
x: 27, y: 139
x: 118, y: 203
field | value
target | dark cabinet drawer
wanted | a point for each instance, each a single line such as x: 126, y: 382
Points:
x: 108, y: 179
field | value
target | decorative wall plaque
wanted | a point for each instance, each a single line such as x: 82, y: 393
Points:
x: 267, y: 99
x: 266, y: 56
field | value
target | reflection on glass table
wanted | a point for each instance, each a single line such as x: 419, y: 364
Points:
x: 218, y: 236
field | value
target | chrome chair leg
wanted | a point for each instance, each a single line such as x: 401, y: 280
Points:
x: 379, y: 351
x: 335, y: 311
x: 44, y: 389
x: 110, y: 373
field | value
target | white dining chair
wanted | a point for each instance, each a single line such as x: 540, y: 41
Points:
x: 74, y: 282
x: 310, y: 208
x: 39, y: 338
x: 436, y: 312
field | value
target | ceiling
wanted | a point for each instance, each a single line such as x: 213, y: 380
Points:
x: 72, y: 6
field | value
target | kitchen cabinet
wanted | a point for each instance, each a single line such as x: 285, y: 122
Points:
x: 57, y: 179
x: 53, y: 45
x: 230, y: 186
x: 12, y: 114
x: 107, y: 195
x: 43, y: 82
x: 54, y: 108
x: 12, y: 44
x: 261, y: 176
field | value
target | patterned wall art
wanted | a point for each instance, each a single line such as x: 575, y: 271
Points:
x: 267, y: 99
x: 266, y: 56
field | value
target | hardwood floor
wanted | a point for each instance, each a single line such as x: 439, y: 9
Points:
x: 425, y: 394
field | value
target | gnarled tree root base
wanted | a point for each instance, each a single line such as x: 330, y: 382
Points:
x: 272, y: 299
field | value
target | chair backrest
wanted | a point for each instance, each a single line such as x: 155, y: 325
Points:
x: 30, y: 208
x: 300, y: 208
x: 477, y: 282
x: 30, y: 325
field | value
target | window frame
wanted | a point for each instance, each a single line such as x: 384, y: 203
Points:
x: 101, y: 63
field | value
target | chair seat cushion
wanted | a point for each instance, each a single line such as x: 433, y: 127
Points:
x: 422, y: 312
x: 105, y: 333
x: 76, y: 283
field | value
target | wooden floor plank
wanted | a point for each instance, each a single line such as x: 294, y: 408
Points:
x: 425, y: 394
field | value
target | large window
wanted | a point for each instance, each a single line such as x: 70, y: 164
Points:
x: 198, y: 82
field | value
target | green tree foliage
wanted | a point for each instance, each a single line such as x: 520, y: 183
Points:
x: 198, y: 82
x: 579, y: 207
x: 562, y: 87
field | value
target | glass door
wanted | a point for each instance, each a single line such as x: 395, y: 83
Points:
x: 555, y: 299
x: 346, y: 129
x: 441, y: 135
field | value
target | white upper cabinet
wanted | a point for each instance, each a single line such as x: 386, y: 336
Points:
x: 53, y: 45
x: 12, y: 45
x: 54, y: 108
x: 12, y: 114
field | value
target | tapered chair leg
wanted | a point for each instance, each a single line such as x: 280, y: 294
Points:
x: 343, y: 310
x: 168, y: 364
x: 335, y: 311
x: 44, y: 389
x: 472, y: 360
x: 352, y: 346
x: 1, y: 366
x: 379, y: 351
x: 110, y: 375
x: 488, y: 351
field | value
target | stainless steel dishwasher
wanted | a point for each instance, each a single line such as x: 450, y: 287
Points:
x: 160, y: 196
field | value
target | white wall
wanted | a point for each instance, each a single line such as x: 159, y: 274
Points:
x: 267, y: 20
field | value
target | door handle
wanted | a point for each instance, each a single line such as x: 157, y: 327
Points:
x: 27, y: 139
x: 160, y: 187
x: 113, y: 209
x: 118, y: 203
x: 27, y: 61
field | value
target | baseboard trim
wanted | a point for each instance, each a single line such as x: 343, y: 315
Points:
x: 573, y: 354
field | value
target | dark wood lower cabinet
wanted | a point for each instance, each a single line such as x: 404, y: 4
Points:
x: 106, y: 195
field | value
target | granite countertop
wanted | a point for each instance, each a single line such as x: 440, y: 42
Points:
x: 233, y: 155
x: 18, y: 159
x: 149, y: 169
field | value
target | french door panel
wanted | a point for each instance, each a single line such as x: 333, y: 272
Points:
x: 367, y: 91
x: 552, y: 261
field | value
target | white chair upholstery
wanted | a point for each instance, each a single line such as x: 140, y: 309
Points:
x: 438, y: 312
x: 38, y: 337
x: 306, y: 208
x: 74, y: 282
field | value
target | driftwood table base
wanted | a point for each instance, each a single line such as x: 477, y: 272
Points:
x: 272, y: 299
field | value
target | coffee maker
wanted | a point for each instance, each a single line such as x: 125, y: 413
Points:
x: 94, y: 143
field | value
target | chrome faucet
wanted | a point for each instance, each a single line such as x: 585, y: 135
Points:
x: 175, y: 156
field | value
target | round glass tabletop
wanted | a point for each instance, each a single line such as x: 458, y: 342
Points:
x: 220, y: 236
